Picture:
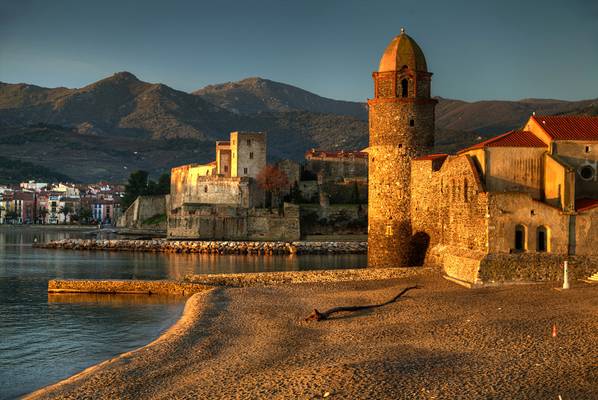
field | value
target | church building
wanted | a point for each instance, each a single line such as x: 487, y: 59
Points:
x: 511, y: 208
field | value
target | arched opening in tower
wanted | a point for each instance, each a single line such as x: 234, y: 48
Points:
x: 404, y: 88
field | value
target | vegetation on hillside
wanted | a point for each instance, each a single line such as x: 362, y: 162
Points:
x: 15, y: 171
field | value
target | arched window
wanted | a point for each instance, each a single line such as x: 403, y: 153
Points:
x: 520, y: 238
x: 543, y: 239
x: 404, y: 88
x: 465, y: 190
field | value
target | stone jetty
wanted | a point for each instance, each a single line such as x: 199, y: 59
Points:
x: 209, y: 247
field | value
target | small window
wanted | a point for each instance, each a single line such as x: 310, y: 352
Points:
x: 588, y: 148
x: 205, y: 189
x: 251, y: 155
x: 248, y: 142
x: 245, y: 171
x: 389, y: 230
x: 520, y: 238
x: 465, y: 190
x: 400, y: 145
x: 411, y: 122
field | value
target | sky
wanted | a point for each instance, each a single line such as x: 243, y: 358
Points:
x: 508, y: 49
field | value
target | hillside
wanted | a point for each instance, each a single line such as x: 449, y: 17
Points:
x: 254, y: 95
x: 119, y: 124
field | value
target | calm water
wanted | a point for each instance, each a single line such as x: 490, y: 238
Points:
x: 45, y: 338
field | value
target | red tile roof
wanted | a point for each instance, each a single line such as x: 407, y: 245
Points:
x: 569, y: 127
x: 515, y: 138
x: 432, y: 157
x: 585, y: 204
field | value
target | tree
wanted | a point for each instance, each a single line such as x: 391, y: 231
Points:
x: 272, y: 180
x: 85, y: 214
x: 66, y: 210
x: 43, y: 212
x: 135, y: 187
x: 140, y: 185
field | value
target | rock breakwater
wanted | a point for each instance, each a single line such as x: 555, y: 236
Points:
x: 209, y: 247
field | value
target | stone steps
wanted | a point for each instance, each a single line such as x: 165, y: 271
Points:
x: 593, y: 278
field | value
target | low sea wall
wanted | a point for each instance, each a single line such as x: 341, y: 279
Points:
x: 108, y: 286
x: 209, y: 247
x: 314, y: 276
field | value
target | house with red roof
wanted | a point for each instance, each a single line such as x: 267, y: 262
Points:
x: 514, y: 206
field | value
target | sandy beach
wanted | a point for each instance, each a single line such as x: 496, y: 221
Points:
x: 442, y: 341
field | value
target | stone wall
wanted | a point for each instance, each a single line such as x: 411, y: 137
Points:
x: 143, y: 209
x: 400, y: 130
x: 448, y: 209
x: 345, y: 219
x: 129, y: 286
x: 339, y: 168
x: 510, y: 171
x: 234, y: 223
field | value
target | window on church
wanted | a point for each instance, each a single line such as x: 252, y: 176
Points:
x: 411, y: 122
x: 543, y: 239
x: 245, y: 171
x: 520, y: 238
x: 251, y: 155
x: 248, y: 142
x: 404, y: 88
x: 465, y: 190
x: 205, y: 189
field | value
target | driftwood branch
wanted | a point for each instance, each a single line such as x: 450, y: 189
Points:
x: 318, y: 316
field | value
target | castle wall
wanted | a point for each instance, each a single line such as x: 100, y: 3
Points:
x: 212, y: 222
x: 338, y: 169
x: 143, y: 208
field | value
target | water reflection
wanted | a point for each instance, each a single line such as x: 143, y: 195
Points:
x: 45, y: 338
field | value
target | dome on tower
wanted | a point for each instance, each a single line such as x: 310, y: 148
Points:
x: 403, y: 50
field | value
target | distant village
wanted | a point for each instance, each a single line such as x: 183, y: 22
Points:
x: 60, y: 203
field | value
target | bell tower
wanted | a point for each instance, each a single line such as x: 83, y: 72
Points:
x: 401, y: 124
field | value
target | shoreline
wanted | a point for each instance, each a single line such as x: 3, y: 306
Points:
x: 191, y: 313
x: 253, y: 342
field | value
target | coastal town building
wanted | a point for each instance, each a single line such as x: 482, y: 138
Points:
x: 61, y: 203
x: 510, y: 208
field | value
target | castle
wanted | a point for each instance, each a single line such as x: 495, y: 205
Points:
x: 511, y: 208
x: 222, y: 200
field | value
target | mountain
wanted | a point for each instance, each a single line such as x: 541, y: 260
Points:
x: 112, y: 127
x: 254, y: 95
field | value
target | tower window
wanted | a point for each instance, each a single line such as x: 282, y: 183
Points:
x: 400, y: 145
x: 248, y: 142
x: 205, y: 189
x: 245, y: 171
x: 251, y: 155
x: 404, y: 88
x: 411, y: 122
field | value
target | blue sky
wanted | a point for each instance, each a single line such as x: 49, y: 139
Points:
x: 476, y: 49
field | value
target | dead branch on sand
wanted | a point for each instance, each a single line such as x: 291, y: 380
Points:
x: 319, y: 316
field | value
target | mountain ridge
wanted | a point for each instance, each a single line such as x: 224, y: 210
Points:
x: 120, y: 123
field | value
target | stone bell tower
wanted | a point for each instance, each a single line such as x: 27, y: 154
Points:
x: 401, y: 119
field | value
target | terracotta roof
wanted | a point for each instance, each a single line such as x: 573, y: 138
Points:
x: 402, y: 50
x: 432, y: 157
x: 335, y: 154
x: 569, y: 127
x: 585, y: 204
x: 515, y: 138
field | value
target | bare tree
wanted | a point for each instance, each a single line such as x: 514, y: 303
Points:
x: 272, y: 180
